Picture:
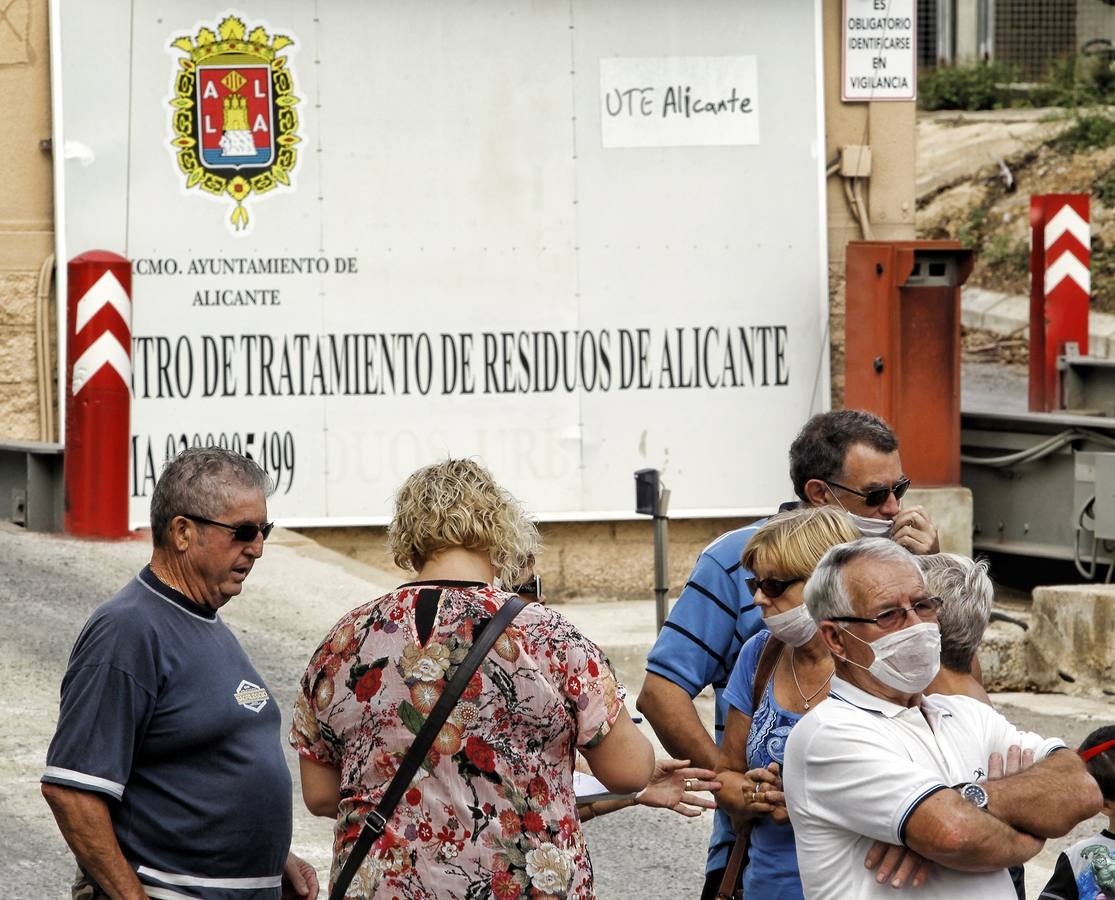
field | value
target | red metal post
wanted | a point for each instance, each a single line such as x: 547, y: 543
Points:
x: 1060, y: 287
x: 98, y: 395
x: 902, y: 347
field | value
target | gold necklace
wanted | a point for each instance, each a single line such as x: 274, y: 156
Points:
x: 805, y: 700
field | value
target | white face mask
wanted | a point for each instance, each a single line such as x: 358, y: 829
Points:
x: 794, y: 627
x: 866, y: 526
x: 905, y: 660
x: 871, y: 527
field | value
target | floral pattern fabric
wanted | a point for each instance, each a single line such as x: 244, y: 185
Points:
x: 491, y: 813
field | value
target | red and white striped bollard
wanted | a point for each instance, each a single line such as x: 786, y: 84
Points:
x: 1060, y: 289
x: 98, y: 395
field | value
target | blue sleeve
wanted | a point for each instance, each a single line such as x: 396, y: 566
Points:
x: 105, y: 710
x: 694, y: 648
x: 741, y: 684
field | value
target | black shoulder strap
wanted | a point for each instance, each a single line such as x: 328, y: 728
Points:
x: 376, y: 821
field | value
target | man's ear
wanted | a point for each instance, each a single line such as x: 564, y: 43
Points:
x: 817, y: 493
x: 833, y: 636
x: 180, y: 533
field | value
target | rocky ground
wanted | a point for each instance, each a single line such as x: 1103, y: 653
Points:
x: 977, y: 171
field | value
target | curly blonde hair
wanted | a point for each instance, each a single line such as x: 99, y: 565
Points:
x: 793, y: 542
x: 457, y: 503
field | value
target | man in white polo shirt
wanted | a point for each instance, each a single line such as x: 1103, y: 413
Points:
x: 878, y: 761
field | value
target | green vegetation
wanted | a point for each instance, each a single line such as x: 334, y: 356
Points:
x: 970, y: 234
x: 1089, y: 131
x: 1103, y: 276
x: 1103, y: 188
x: 1013, y: 257
x: 979, y: 86
x: 1084, y: 80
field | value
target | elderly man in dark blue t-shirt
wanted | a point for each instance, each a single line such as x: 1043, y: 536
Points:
x: 166, y: 774
x: 846, y: 458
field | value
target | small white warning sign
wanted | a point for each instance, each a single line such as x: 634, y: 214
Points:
x: 879, y: 50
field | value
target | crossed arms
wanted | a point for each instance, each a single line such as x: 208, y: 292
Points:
x: 1023, y: 809
x: 843, y: 775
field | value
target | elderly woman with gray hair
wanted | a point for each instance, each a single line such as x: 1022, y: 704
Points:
x: 966, y: 593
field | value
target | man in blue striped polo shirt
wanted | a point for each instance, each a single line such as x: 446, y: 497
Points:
x: 847, y: 458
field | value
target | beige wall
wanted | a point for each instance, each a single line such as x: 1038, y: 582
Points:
x: 579, y: 561
x: 26, y: 214
x: 889, y: 129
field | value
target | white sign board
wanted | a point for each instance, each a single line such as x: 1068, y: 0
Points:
x: 880, y: 50
x: 370, y: 235
x: 675, y: 102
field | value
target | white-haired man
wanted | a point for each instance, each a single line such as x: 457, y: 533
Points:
x: 879, y: 761
x: 846, y: 458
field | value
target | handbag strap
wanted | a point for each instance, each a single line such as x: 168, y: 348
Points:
x: 729, y: 884
x: 375, y: 823
x: 768, y: 659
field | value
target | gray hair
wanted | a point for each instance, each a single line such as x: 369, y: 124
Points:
x: 826, y: 595
x: 964, y: 586
x: 202, y: 481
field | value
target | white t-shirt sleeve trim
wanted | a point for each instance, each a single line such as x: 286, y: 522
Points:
x: 1048, y: 746
x: 911, y: 808
x: 57, y: 775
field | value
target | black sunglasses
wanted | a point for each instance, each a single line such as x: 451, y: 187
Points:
x: 771, y: 587
x: 877, y: 496
x: 532, y: 587
x: 243, y: 533
x: 925, y: 609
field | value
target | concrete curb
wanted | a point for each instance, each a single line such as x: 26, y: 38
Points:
x: 1010, y: 315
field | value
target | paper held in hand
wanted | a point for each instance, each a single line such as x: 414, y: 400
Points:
x: 589, y: 790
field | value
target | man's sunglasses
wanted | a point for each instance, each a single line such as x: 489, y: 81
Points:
x: 243, y: 533
x: 925, y: 609
x: 877, y: 496
x: 532, y: 587
x: 771, y: 587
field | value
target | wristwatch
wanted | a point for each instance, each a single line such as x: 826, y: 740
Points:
x: 974, y: 794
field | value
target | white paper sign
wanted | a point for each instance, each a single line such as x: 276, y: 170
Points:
x: 698, y: 101
x: 880, y: 58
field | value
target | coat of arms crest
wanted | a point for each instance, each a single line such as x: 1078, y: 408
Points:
x: 234, y: 122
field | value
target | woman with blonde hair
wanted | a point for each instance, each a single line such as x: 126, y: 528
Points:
x: 492, y: 810
x: 787, y: 669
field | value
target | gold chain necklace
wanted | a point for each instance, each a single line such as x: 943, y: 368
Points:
x: 805, y: 700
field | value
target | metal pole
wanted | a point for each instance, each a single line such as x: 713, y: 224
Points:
x: 661, y: 547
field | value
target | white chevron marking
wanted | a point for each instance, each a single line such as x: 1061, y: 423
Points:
x: 104, y: 351
x: 107, y: 291
x: 1068, y: 266
x: 1067, y: 219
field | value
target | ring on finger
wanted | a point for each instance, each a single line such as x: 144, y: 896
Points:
x: 756, y: 789
x: 689, y: 784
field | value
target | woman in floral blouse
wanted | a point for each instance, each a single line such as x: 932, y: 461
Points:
x: 491, y: 812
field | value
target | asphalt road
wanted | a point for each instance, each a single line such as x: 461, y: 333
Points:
x: 49, y: 585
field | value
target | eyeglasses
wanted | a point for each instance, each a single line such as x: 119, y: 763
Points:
x: 243, y: 533
x: 532, y: 587
x: 877, y: 496
x: 771, y: 587
x: 925, y: 609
